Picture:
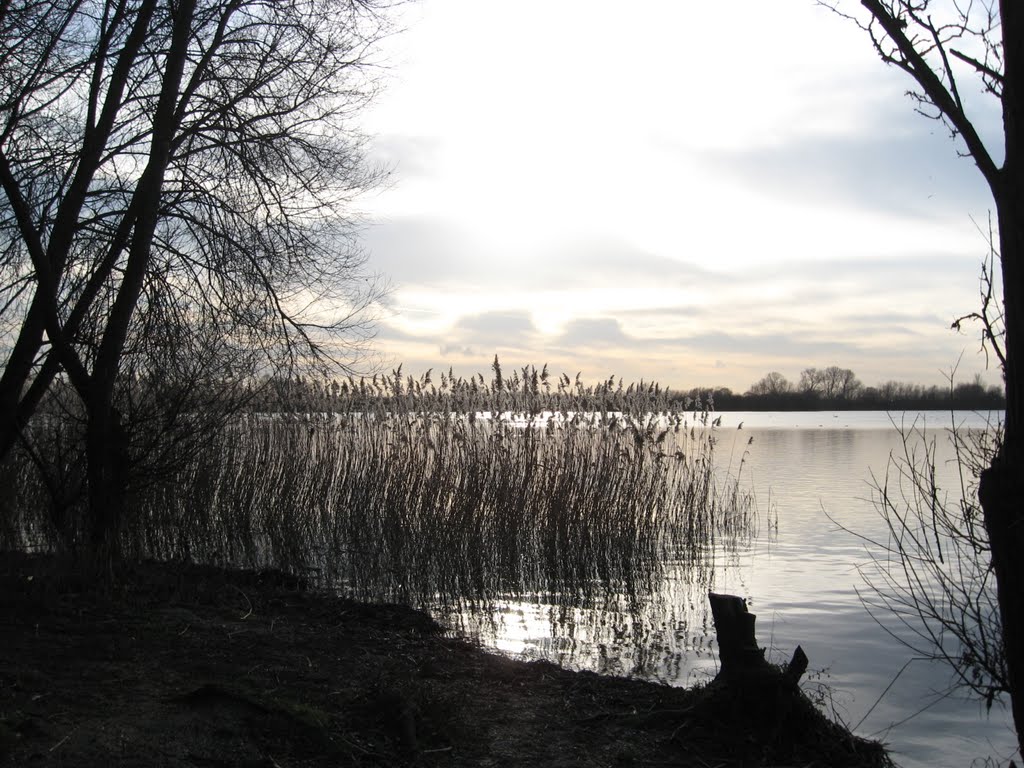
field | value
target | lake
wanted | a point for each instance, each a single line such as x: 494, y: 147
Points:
x: 811, y: 474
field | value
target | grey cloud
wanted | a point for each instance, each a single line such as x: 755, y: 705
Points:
x: 894, y: 319
x: 608, y: 333
x: 825, y: 279
x: 614, y: 260
x: 804, y: 351
x: 780, y: 345
x: 491, y: 331
x: 413, y: 250
x: 425, y: 251
x: 673, y: 312
x: 592, y: 332
x: 448, y: 350
x: 601, y: 344
x: 914, y: 171
x: 388, y: 332
x: 492, y: 324
x: 921, y: 264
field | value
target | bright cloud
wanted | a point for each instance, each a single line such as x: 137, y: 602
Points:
x: 691, y: 192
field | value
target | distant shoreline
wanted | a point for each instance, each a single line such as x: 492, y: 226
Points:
x: 854, y: 407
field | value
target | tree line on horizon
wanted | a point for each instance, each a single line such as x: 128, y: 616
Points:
x: 529, y: 389
x: 841, y: 389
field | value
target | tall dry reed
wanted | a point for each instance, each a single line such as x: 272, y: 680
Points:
x: 395, y: 489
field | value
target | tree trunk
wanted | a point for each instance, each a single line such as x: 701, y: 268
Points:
x: 106, y: 443
x: 16, y: 375
x: 106, y: 460
x: 1001, y: 493
x: 1001, y: 490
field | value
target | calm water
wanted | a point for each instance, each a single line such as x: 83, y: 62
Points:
x: 810, y: 472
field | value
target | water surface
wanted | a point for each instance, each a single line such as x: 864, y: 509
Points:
x: 812, y: 475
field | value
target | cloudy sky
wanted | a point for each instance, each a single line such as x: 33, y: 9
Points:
x: 691, y: 192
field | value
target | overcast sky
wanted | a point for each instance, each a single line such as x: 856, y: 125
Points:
x: 692, y: 192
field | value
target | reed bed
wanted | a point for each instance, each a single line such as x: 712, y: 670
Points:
x: 468, y: 493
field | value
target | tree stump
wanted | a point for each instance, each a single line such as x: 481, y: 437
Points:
x: 738, y: 651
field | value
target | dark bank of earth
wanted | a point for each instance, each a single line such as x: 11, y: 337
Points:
x: 193, y: 666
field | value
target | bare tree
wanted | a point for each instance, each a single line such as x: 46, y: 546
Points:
x: 840, y: 383
x: 773, y: 383
x: 831, y: 383
x: 812, y: 381
x: 932, y: 572
x: 940, y: 46
x: 176, y: 176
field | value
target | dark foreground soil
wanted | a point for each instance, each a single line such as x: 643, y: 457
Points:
x: 190, y: 666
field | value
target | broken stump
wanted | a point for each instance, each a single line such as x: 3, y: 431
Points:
x: 738, y: 651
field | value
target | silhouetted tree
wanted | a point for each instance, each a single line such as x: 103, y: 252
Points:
x: 773, y: 383
x: 937, y: 45
x: 812, y: 381
x: 832, y: 383
x: 840, y: 383
x: 175, y: 175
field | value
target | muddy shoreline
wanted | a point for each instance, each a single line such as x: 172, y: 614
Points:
x: 199, y: 666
